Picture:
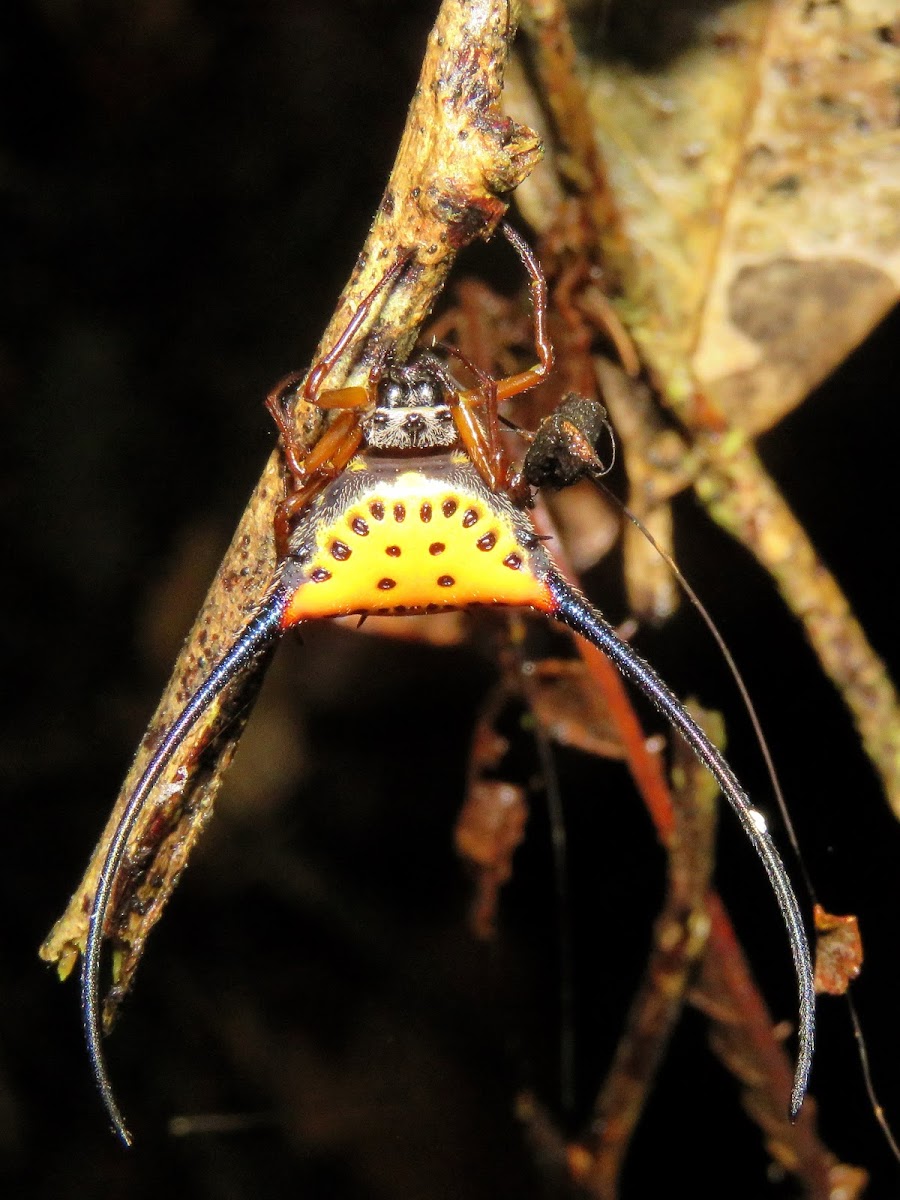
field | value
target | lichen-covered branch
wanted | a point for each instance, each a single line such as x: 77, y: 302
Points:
x: 743, y: 498
x: 459, y: 158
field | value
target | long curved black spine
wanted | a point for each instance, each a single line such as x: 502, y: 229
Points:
x: 580, y: 616
x: 263, y: 629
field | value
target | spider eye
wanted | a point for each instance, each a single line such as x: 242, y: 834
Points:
x: 427, y: 393
x: 380, y: 418
x: 393, y: 395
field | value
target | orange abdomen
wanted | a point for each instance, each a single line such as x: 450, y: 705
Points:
x: 404, y: 540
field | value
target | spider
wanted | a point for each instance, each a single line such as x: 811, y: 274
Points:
x: 409, y: 503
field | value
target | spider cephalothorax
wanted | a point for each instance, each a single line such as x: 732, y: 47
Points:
x: 411, y: 410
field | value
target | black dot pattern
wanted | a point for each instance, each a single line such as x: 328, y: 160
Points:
x: 462, y: 525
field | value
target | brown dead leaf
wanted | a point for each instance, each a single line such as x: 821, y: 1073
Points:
x: 564, y: 700
x: 435, y: 629
x: 757, y: 175
x: 839, y: 952
x: 754, y: 166
x: 490, y: 827
x: 588, y: 526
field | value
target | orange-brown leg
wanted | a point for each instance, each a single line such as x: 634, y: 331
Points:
x: 481, y: 438
x: 523, y: 380
x: 301, y: 461
x: 324, y: 462
x: 278, y: 405
x: 489, y: 456
x: 345, y: 398
x: 317, y: 375
x: 312, y: 469
x: 481, y: 435
x: 475, y: 441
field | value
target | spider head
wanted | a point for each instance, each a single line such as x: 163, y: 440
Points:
x: 411, y: 410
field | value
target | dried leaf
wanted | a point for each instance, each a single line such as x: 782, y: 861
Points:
x: 435, y: 629
x: 839, y: 952
x: 489, y: 828
x: 757, y: 174
x: 754, y: 171
x: 564, y: 700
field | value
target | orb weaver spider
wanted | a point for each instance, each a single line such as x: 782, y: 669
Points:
x: 409, y: 503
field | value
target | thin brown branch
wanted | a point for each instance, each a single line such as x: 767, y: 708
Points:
x: 577, y: 156
x: 742, y: 1039
x: 679, y: 939
x: 459, y: 158
x: 743, y: 498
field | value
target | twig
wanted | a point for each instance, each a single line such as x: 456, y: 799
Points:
x: 679, y: 939
x: 742, y: 497
x: 742, y: 1039
x: 458, y: 159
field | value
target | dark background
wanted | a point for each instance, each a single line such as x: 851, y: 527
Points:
x: 185, y: 187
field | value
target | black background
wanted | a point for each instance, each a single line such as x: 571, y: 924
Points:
x: 185, y: 187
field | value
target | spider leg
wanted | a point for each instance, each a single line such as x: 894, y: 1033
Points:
x: 324, y: 365
x: 324, y: 462
x: 486, y: 395
x: 487, y: 458
x: 345, y: 398
x: 521, y: 382
x: 310, y: 469
x: 278, y: 405
x: 261, y: 631
x: 481, y: 442
x: 484, y: 444
x: 571, y: 608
